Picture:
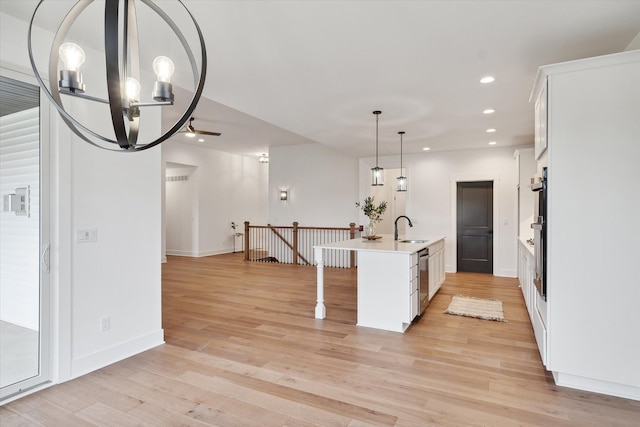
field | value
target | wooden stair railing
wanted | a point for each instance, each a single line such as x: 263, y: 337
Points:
x: 294, y: 247
x: 283, y: 233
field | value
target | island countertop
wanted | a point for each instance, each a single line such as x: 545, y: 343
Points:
x: 384, y: 244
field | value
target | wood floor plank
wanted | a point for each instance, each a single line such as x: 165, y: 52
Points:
x: 243, y: 349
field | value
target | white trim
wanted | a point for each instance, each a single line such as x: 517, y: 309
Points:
x: 596, y: 386
x: 471, y: 177
x: 198, y: 254
x: 94, y: 361
x: 581, y: 64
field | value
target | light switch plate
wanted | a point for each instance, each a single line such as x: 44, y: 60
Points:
x: 87, y: 235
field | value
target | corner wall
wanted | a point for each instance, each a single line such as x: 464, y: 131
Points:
x: 118, y: 276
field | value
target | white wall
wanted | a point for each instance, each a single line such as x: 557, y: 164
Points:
x: 430, y: 201
x: 322, y: 185
x: 221, y: 188
x: 118, y: 276
x: 181, y: 209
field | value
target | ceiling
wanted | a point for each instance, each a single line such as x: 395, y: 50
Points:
x: 289, y: 72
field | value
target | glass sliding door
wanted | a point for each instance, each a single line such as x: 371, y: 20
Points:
x: 24, y: 257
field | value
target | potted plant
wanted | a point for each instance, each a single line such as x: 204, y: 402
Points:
x: 373, y: 212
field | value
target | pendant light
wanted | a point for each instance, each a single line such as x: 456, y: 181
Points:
x: 377, y: 173
x: 402, y: 180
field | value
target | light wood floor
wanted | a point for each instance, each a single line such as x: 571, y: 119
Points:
x: 243, y: 349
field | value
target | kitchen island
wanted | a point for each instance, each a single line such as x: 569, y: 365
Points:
x: 388, y: 278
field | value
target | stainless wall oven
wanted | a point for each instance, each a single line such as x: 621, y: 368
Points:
x: 540, y: 186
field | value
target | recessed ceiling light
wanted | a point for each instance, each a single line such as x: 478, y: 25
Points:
x: 201, y: 140
x: 492, y: 143
x: 487, y: 79
x: 426, y: 149
x: 491, y: 130
x: 489, y: 111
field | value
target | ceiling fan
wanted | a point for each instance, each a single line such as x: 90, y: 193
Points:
x: 190, y: 131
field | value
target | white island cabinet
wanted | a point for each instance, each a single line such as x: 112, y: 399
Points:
x: 388, y: 279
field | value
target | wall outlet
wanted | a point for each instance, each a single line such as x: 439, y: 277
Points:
x: 105, y: 324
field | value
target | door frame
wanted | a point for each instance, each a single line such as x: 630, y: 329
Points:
x: 47, y: 332
x: 473, y: 177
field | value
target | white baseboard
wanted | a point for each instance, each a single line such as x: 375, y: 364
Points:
x: 200, y: 254
x: 215, y: 252
x: 499, y: 273
x: 597, y: 386
x: 506, y: 273
x: 100, y: 359
x: 174, y: 252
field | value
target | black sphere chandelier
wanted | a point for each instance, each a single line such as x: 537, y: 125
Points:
x: 121, y: 87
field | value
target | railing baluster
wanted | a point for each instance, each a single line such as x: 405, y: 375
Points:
x: 293, y: 244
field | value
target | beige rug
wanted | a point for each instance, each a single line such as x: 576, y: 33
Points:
x: 486, y: 309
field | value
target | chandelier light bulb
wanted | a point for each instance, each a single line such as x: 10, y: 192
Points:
x: 72, y: 56
x: 164, y: 68
x: 132, y: 89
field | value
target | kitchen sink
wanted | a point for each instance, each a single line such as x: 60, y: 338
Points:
x: 413, y: 241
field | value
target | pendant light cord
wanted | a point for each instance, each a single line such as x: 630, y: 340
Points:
x: 377, y: 140
x: 377, y: 113
x: 400, y: 152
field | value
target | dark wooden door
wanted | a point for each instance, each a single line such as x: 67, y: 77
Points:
x: 475, y: 226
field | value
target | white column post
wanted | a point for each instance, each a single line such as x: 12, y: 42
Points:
x: 321, y: 311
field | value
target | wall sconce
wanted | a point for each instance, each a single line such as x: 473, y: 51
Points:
x: 284, y: 195
x: 263, y: 159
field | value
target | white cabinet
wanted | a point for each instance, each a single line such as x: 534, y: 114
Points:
x: 526, y: 274
x: 540, y: 115
x: 436, y: 268
x: 525, y: 170
x: 387, y: 290
x: 388, y: 294
x: 532, y: 300
x: 590, y: 338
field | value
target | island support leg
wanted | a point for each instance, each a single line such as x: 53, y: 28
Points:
x: 321, y: 311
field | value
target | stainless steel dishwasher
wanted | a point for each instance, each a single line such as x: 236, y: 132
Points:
x: 423, y: 279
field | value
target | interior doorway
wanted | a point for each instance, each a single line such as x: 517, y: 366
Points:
x: 181, y: 219
x: 474, y: 226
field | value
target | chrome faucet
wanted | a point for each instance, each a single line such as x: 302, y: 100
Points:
x: 395, y: 226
